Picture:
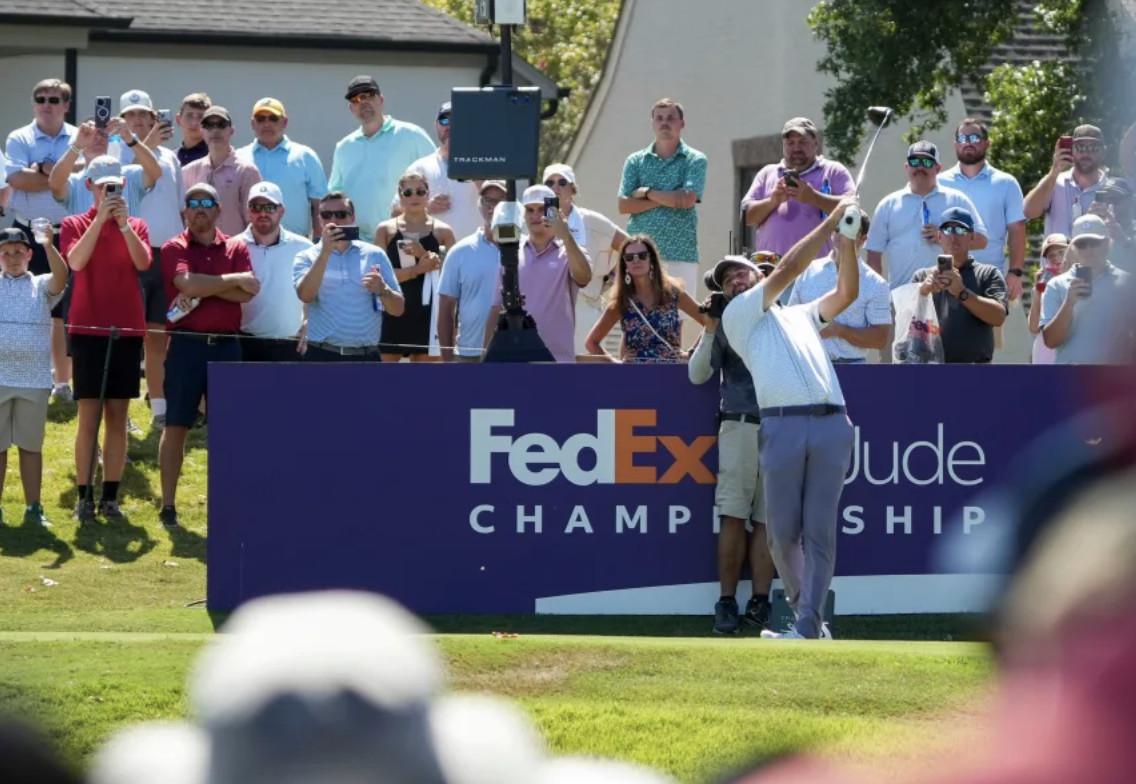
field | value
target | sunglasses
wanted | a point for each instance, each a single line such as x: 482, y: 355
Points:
x: 272, y: 118
x: 955, y: 229
x: 335, y: 214
x: 213, y: 126
x: 358, y: 98
x: 643, y: 255
x: 969, y: 138
x: 920, y: 163
x: 51, y: 99
x: 444, y: 120
x: 408, y: 192
x: 201, y: 204
x: 265, y: 207
x: 1087, y: 242
x: 1087, y: 147
x: 563, y: 183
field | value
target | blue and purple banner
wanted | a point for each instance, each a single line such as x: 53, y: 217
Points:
x: 560, y: 488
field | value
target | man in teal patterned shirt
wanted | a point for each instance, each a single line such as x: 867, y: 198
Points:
x: 660, y: 186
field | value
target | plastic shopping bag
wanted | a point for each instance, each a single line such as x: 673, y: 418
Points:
x: 917, y: 337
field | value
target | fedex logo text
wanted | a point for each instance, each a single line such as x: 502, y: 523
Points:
x: 536, y: 459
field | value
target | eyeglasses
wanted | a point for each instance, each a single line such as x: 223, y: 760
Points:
x: 955, y: 229
x: 563, y: 183
x: 51, y: 99
x: 213, y: 126
x: 335, y: 214
x: 1088, y: 147
x: 201, y: 204
x: 920, y: 163
x: 358, y: 98
x: 643, y: 255
x: 272, y: 118
x: 444, y: 120
x: 408, y: 192
x: 969, y: 138
x: 264, y: 206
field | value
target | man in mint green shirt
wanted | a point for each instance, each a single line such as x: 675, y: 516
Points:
x: 660, y: 186
x: 369, y: 161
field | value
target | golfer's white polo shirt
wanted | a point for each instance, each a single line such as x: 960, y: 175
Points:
x: 276, y: 311
x: 783, y: 350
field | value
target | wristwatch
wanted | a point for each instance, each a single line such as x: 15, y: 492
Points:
x: 133, y: 140
x: 964, y: 295
x: 1017, y: 272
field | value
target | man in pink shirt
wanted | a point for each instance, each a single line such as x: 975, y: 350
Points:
x: 551, y: 269
x: 232, y: 176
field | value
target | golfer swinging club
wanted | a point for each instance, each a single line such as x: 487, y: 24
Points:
x: 806, y: 437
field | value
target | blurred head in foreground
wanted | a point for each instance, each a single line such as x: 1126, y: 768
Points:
x: 166, y: 752
x: 27, y: 758
x: 485, y: 740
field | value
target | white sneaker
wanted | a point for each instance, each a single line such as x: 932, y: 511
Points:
x: 825, y: 632
x: 62, y: 392
x: 791, y: 634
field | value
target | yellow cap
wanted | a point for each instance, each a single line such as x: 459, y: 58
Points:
x: 270, y: 105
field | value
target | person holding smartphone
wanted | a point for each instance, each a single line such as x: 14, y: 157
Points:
x: 970, y: 297
x: 1086, y: 312
x: 348, y: 285
x: 1055, y: 259
x: 1066, y: 191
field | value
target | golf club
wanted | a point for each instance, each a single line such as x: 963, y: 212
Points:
x: 879, y: 116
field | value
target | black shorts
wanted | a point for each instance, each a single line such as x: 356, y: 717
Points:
x: 187, y: 377
x: 154, y: 303
x: 39, y: 266
x: 89, y: 357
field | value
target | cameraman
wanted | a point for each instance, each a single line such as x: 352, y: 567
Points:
x: 739, y: 496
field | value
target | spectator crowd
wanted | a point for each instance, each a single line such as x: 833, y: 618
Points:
x: 134, y: 255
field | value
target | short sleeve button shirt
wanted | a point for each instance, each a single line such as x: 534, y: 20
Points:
x: 791, y: 221
x: 26, y: 147
x: 1069, y: 202
x: 224, y: 255
x: 344, y: 313
x: 25, y: 337
x: 233, y: 179
x: 998, y: 198
x: 872, y: 308
x: 675, y: 232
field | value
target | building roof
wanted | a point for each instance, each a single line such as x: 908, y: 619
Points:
x: 59, y: 12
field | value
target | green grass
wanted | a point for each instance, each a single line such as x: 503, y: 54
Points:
x: 112, y: 641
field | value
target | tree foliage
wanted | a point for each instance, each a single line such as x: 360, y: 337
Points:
x: 569, y: 43
x: 904, y: 54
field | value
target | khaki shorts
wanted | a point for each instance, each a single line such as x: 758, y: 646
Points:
x: 23, y: 418
x: 739, y: 493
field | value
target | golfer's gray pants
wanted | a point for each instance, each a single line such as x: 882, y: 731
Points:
x: 803, y: 462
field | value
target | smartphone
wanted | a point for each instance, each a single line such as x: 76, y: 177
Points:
x: 1081, y: 272
x: 350, y: 233
x: 113, y: 189
x: 165, y: 117
x: 791, y: 178
x: 945, y: 263
x: 552, y: 207
x: 102, y: 111
x: 1065, y: 142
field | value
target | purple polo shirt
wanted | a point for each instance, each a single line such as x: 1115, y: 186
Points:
x: 1068, y: 202
x: 790, y: 222
x: 550, y: 296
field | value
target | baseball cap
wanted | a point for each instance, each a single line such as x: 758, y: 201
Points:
x: 135, y: 99
x: 801, y: 125
x: 957, y: 215
x: 1091, y: 227
x: 445, y: 108
x: 104, y: 169
x: 217, y: 111
x: 205, y: 188
x: 266, y: 190
x: 12, y: 234
x: 563, y: 169
x: 493, y: 184
x: 536, y: 194
x: 923, y: 149
x: 1088, y: 132
x: 362, y: 84
x: 269, y: 106
x: 719, y: 270
x: 1055, y: 240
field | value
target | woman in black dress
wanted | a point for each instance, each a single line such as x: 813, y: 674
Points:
x: 415, y: 243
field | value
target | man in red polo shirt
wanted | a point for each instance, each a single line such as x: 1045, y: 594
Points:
x: 106, y: 250
x: 207, y: 277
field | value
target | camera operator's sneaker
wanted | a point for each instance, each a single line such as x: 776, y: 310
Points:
x: 34, y: 515
x: 757, y: 612
x: 825, y: 632
x: 726, y: 616
x: 169, y: 518
x: 109, y: 509
x: 85, y: 510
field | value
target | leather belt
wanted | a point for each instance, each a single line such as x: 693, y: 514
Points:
x: 346, y: 351
x: 821, y: 409
x: 209, y: 340
x: 752, y: 419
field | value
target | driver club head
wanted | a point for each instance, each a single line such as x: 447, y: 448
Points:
x: 880, y: 115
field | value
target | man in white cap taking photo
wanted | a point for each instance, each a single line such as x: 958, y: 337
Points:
x: 599, y: 237
x: 1086, y: 313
